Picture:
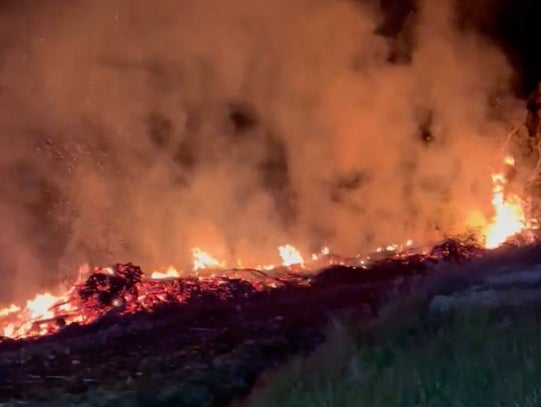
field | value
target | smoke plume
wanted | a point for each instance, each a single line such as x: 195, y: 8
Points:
x: 133, y: 130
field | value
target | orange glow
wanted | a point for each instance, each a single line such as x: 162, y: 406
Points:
x: 40, y: 306
x: 203, y: 260
x: 9, y: 310
x: 325, y: 251
x: 509, y: 218
x: 290, y: 256
x: 171, y: 272
x: 45, y: 313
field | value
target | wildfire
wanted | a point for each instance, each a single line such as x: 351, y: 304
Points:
x: 18, y: 322
x: 23, y: 321
x: 509, y: 218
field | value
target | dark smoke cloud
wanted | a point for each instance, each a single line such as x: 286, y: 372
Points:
x: 133, y: 130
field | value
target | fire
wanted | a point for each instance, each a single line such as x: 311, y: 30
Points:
x: 171, y: 272
x: 203, y: 260
x: 290, y: 256
x: 46, y: 313
x: 395, y: 247
x: 40, y: 306
x: 509, y: 218
x: 9, y: 310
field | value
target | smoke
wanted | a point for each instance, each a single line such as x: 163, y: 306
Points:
x: 135, y: 130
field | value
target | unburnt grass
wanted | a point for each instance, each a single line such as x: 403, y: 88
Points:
x: 473, y: 358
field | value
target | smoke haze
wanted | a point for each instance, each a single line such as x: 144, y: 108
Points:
x: 133, y: 130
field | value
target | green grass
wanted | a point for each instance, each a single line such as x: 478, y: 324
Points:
x: 465, y: 360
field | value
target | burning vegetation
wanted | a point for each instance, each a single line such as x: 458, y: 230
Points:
x: 232, y: 138
x: 124, y: 289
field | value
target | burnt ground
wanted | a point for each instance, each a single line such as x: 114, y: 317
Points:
x: 210, y: 349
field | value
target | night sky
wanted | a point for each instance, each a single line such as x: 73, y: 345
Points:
x: 513, y: 24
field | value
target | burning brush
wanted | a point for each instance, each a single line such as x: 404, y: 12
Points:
x: 123, y: 288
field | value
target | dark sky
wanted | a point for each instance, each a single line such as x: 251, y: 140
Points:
x: 513, y: 24
x: 519, y: 30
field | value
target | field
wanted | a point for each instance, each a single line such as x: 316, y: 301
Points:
x: 472, y: 359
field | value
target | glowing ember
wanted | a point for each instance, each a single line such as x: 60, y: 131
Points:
x: 290, y: 256
x: 325, y: 251
x: 509, y: 218
x: 203, y: 260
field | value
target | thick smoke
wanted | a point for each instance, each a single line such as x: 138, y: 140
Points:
x: 133, y: 130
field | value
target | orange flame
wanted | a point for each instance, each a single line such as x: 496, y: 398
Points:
x: 509, y: 218
x: 21, y: 322
x: 203, y: 260
x: 38, y: 308
x: 290, y: 256
x: 170, y: 272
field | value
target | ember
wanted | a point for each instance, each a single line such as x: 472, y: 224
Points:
x: 123, y: 289
x: 108, y: 285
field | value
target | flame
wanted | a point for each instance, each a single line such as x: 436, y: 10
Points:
x: 509, y: 218
x: 203, y: 260
x: 325, y: 251
x: 171, y: 272
x: 46, y: 313
x: 9, y: 310
x: 40, y: 306
x: 395, y: 247
x: 290, y: 256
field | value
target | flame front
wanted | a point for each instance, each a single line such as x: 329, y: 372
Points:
x: 46, y: 312
x: 509, y: 218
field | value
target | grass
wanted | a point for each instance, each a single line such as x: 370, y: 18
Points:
x: 472, y: 359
